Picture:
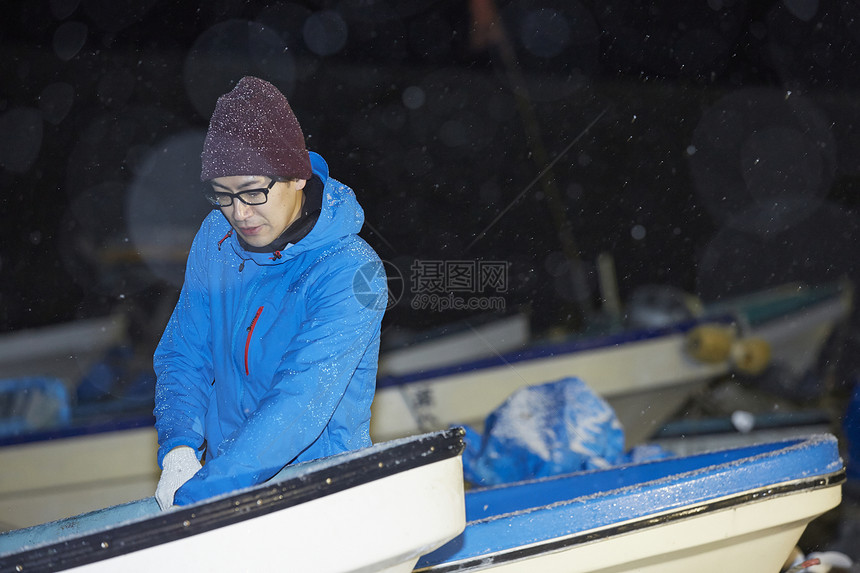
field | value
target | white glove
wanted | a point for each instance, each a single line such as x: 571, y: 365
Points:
x: 180, y: 464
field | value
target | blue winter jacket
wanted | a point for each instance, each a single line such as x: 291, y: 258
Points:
x: 271, y: 358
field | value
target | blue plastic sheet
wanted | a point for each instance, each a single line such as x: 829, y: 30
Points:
x: 550, y: 429
x: 32, y: 403
x: 117, y: 376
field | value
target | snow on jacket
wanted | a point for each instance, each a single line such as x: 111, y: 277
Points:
x: 271, y: 358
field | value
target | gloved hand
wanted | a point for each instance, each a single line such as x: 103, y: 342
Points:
x: 180, y: 464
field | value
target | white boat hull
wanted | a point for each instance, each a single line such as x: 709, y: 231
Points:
x: 754, y: 538
x: 368, y: 528
x: 796, y: 340
x: 468, y: 344
x: 63, y: 351
x: 57, y: 478
x: 351, y: 513
x: 645, y: 376
x: 741, y: 509
x: 644, y: 381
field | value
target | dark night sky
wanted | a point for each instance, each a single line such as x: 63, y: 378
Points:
x: 724, y: 156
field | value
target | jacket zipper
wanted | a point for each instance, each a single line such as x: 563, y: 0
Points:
x: 248, y: 340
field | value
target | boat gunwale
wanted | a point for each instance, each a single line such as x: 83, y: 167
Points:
x: 357, y: 468
x: 557, y: 544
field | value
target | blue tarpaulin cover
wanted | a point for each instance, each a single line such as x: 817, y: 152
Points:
x: 549, y: 429
x: 32, y: 403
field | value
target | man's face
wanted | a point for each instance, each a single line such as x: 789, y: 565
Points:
x: 259, y: 225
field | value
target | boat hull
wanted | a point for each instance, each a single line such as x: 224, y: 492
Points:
x: 62, y: 476
x: 326, y: 516
x: 645, y: 374
x: 742, y: 509
x: 462, y: 345
x: 645, y: 380
x: 755, y: 538
x: 301, y: 538
x: 63, y: 351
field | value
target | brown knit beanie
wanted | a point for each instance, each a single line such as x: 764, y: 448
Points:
x: 253, y: 131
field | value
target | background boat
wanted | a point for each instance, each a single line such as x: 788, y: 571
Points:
x: 409, y: 352
x: 63, y: 351
x: 645, y: 372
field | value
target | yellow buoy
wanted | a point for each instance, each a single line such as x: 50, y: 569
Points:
x: 751, y: 356
x: 710, y: 343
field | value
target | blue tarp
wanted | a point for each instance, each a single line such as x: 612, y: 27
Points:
x: 118, y: 376
x: 549, y: 429
x: 32, y: 403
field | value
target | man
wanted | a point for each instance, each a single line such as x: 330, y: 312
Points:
x: 270, y: 355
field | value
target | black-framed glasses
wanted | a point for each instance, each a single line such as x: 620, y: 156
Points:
x: 248, y: 196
